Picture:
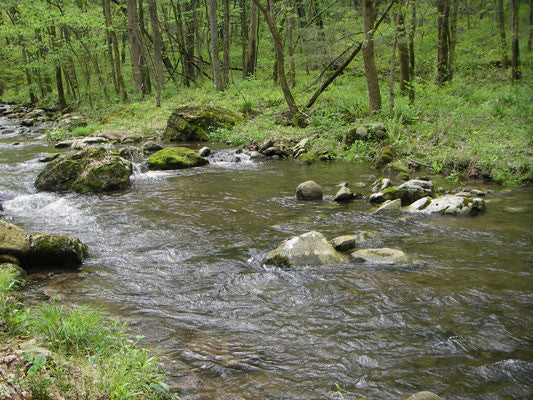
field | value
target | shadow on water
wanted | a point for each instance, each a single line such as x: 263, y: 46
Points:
x: 179, y: 255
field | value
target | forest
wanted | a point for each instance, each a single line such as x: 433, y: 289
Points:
x: 449, y: 79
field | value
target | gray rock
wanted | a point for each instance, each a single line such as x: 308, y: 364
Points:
x: 452, y: 205
x: 130, y: 152
x: 309, y: 190
x: 376, y: 198
x: 424, y: 396
x: 204, y: 151
x: 380, y: 185
x: 390, y: 207
x: 266, y: 144
x: 344, y: 194
x: 255, y: 155
x: 64, y: 144
x: 382, y: 256
x: 13, y: 240
x: 344, y: 243
x: 478, y: 193
x: 419, y: 205
x: 409, y: 192
x: 151, y: 147
x: 48, y: 157
x: 309, y: 249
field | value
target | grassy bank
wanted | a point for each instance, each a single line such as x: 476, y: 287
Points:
x: 54, y: 352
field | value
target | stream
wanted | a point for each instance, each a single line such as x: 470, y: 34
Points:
x: 179, y: 254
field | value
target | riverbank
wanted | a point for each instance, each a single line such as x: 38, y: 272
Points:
x: 464, y: 131
x: 51, y: 351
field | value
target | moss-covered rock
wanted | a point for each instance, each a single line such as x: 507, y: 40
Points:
x: 384, y: 157
x: 20, y: 274
x: 308, y: 158
x: 90, y: 170
x: 193, y: 123
x: 175, y: 158
x: 39, y: 250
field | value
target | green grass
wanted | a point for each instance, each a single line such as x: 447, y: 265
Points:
x: 90, y: 354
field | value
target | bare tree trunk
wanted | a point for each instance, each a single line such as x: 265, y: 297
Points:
x: 116, y: 57
x: 135, y: 46
x: 244, y: 33
x: 109, y: 49
x: 452, y: 39
x: 226, y: 38
x: 368, y: 57
x: 215, y: 61
x: 412, y: 30
x: 403, y: 53
x: 500, y: 16
x: 516, y: 74
x: 33, y: 98
x: 158, y: 59
x: 392, y: 65
x: 290, y: 42
x: 443, y: 9
x: 249, y: 68
x: 278, y: 48
x: 145, y: 63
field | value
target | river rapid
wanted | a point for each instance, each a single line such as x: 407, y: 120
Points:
x: 179, y: 254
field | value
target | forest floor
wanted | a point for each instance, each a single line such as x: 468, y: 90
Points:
x: 480, y: 127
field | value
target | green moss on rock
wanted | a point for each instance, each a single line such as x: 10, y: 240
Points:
x: 193, y: 123
x: 384, y: 157
x: 175, y: 158
x: 55, y: 250
x: 308, y: 158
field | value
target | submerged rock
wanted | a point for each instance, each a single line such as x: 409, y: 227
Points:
x: 309, y: 249
x: 175, y: 158
x: 192, y: 123
x: 309, y: 190
x: 382, y: 256
x: 90, y: 170
x: 39, y: 250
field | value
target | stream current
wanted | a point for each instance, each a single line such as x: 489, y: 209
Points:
x: 178, y: 256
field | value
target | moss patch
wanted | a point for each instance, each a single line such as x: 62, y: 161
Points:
x: 175, y: 158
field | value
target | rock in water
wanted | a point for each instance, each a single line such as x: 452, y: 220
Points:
x: 424, y: 396
x: 382, y: 256
x: 309, y: 190
x: 309, y: 249
x: 344, y: 194
x: 39, y: 250
x: 390, y: 207
x: 192, y: 123
x: 175, y: 158
x: 204, y: 151
x: 90, y: 170
x: 449, y: 205
x: 344, y: 243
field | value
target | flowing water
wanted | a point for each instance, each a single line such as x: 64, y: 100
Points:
x: 179, y: 256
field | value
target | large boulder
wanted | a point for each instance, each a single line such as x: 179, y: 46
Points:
x: 382, y: 256
x: 448, y: 205
x: 175, y: 158
x: 39, y: 250
x: 193, y: 123
x: 91, y: 170
x: 309, y: 190
x: 309, y: 249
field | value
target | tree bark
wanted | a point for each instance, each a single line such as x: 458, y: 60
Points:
x: 215, y: 61
x: 135, y: 46
x: 226, y: 39
x: 516, y: 74
x: 392, y: 65
x: 500, y: 17
x: 403, y: 54
x: 411, y: 44
x: 278, y: 49
x: 368, y: 57
x: 116, y: 55
x: 244, y: 33
x: 156, y: 41
x: 443, y: 9
x: 145, y: 67
x: 33, y: 98
x: 452, y: 39
x: 249, y: 68
x: 291, y: 42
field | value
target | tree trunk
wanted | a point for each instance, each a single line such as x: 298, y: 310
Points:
x: 278, y: 48
x: 516, y: 74
x: 452, y: 39
x: 392, y: 65
x: 403, y: 54
x: 443, y: 9
x: 33, y: 98
x: 116, y: 55
x: 145, y: 67
x: 500, y: 16
x: 226, y: 38
x: 411, y: 45
x: 244, y: 33
x: 60, y: 90
x: 249, y: 68
x: 368, y: 57
x: 291, y: 43
x: 135, y: 47
x: 215, y: 61
x: 530, y: 25
x: 158, y: 59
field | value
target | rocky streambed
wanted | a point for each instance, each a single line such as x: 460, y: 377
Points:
x: 180, y: 254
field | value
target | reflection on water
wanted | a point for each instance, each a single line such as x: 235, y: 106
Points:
x: 179, y: 256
